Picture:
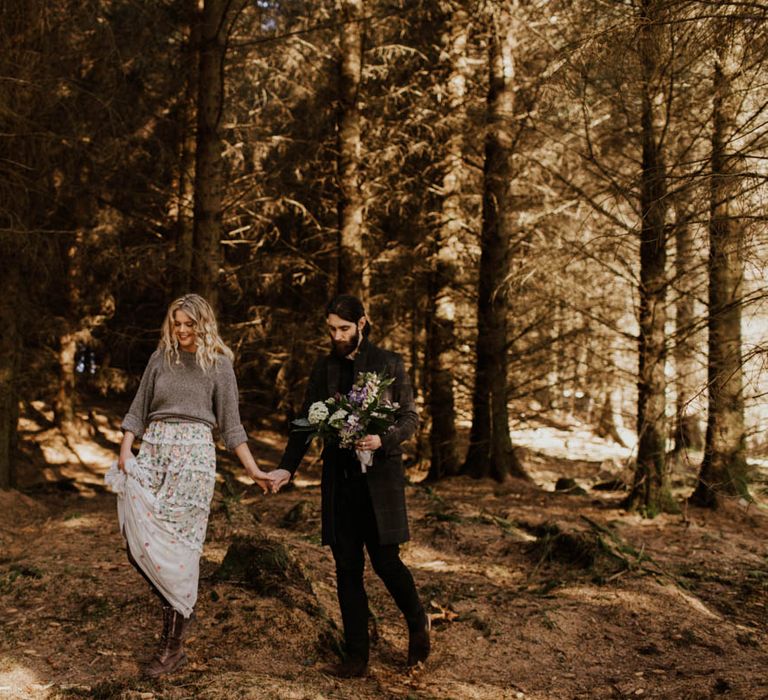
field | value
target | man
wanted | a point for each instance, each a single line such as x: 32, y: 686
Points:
x: 363, y: 509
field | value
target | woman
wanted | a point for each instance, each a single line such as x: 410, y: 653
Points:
x: 188, y: 387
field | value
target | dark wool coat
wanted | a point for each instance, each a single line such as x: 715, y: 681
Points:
x: 385, y: 477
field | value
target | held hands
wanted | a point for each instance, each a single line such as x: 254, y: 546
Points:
x: 280, y: 477
x: 272, y: 482
x: 265, y: 480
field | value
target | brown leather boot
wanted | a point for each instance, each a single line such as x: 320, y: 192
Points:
x: 170, y: 655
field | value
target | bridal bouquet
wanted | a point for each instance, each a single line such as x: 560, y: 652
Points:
x: 345, y: 418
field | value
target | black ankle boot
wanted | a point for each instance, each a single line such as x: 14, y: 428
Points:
x: 351, y: 667
x: 418, y: 641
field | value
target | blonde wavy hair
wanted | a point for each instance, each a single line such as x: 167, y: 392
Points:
x: 209, y: 342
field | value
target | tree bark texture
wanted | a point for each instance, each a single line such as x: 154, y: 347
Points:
x: 687, y: 431
x: 185, y: 215
x: 724, y: 467
x: 209, y: 180
x: 73, y: 328
x: 10, y: 348
x: 490, y: 451
x: 650, y: 492
x: 441, y: 331
x: 89, y: 305
x: 351, y: 277
x: 418, y: 367
x: 609, y: 419
x: 64, y: 403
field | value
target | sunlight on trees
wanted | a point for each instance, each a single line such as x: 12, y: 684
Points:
x: 539, y: 256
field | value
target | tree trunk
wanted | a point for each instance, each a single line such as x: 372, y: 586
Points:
x: 209, y: 180
x: 64, y: 402
x: 10, y: 285
x: 185, y: 215
x: 418, y: 368
x: 490, y: 451
x: 551, y: 395
x: 650, y: 492
x: 724, y: 467
x: 610, y: 420
x: 687, y: 431
x: 351, y: 259
x: 89, y: 305
x: 72, y: 332
x: 441, y: 333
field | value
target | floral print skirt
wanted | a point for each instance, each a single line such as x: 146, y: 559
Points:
x: 163, y: 506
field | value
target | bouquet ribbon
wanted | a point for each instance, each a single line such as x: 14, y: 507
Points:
x: 366, y: 459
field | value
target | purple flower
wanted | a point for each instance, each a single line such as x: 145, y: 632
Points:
x: 358, y: 395
x: 353, y: 422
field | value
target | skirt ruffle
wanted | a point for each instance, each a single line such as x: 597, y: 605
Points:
x: 163, y: 503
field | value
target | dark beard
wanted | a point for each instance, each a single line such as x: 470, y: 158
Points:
x: 343, y: 349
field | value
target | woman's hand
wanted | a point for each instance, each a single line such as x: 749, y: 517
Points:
x: 265, y: 481
x: 126, y: 452
x: 122, y: 459
x: 280, y: 477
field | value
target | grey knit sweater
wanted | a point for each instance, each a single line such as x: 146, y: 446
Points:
x: 185, y: 392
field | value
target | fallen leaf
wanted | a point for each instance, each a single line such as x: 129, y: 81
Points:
x: 442, y: 613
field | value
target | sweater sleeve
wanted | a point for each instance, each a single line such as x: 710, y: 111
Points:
x: 135, y: 420
x: 226, y: 406
x: 407, y: 418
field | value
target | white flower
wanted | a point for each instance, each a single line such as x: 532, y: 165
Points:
x: 337, y: 417
x: 318, y: 412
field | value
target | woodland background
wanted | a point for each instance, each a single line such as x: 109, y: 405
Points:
x: 549, y: 207
x: 555, y: 210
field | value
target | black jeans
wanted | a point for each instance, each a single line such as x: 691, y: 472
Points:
x: 356, y: 527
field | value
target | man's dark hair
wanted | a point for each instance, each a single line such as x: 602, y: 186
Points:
x: 348, y: 307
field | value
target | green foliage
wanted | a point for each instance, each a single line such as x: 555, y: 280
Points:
x: 298, y: 515
x: 94, y: 607
x: 263, y: 565
x: 15, y: 572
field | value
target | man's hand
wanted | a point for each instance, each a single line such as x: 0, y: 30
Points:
x: 369, y: 442
x: 264, y: 480
x: 280, y: 477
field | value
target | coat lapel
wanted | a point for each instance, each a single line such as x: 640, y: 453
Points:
x: 361, y: 359
x: 333, y: 376
x: 360, y: 365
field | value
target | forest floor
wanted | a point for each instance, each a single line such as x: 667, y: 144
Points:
x: 534, y: 593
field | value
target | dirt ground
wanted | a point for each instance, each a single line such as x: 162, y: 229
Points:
x: 533, y: 593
